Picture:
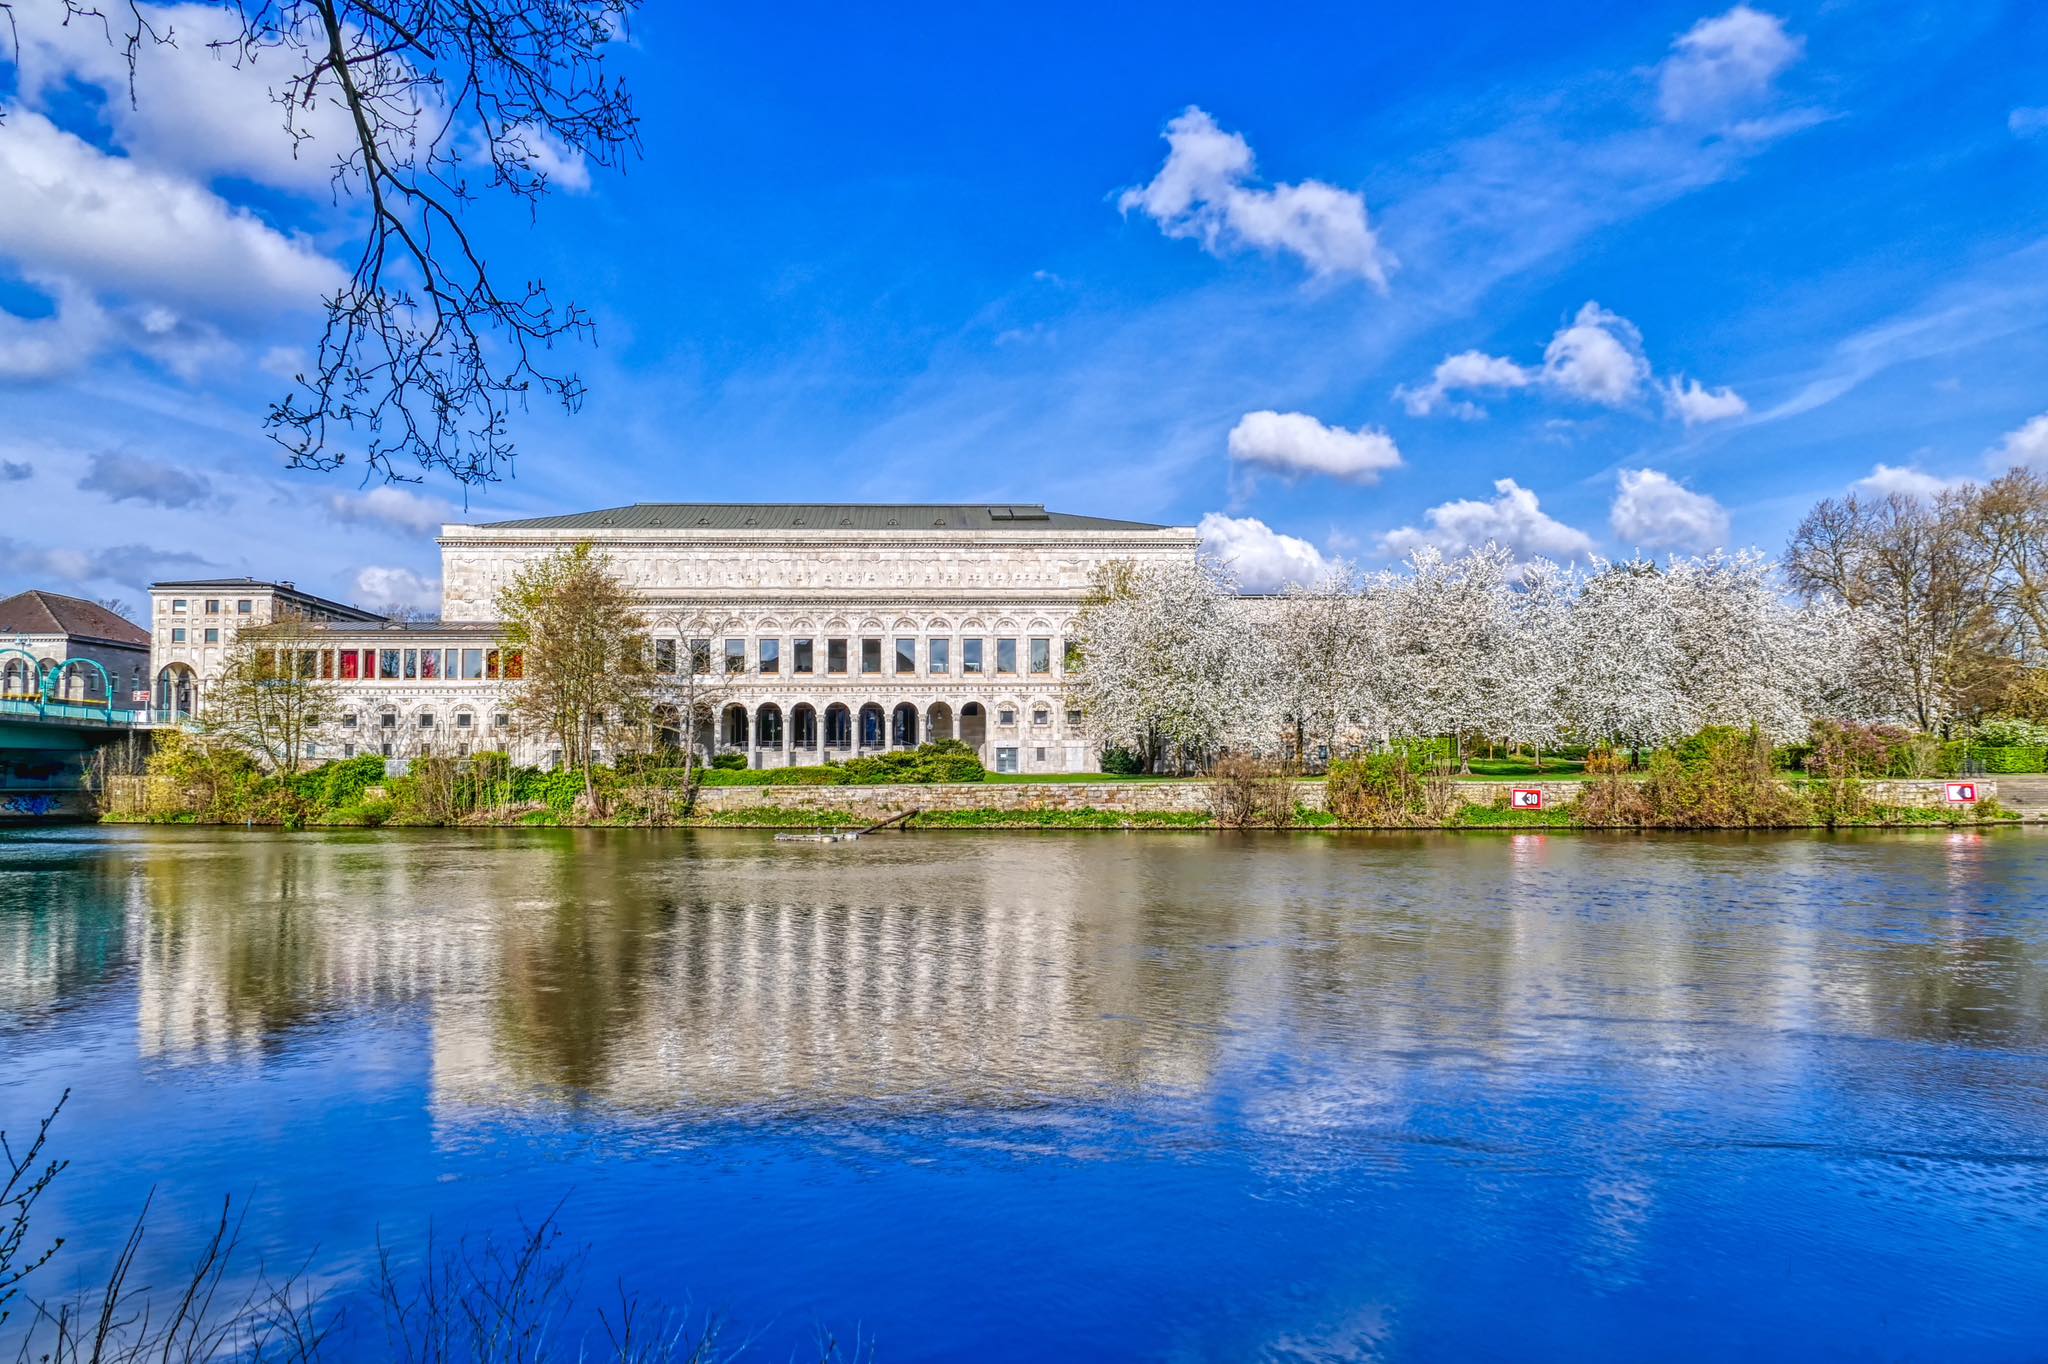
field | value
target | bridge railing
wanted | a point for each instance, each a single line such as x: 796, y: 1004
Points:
x: 71, y: 712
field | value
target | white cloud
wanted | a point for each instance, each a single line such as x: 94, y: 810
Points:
x: 1295, y: 443
x: 197, y: 108
x: 1695, y: 404
x: 1202, y: 192
x: 42, y: 347
x: 392, y: 588
x: 392, y: 506
x: 1597, y: 358
x: 1724, y: 64
x: 564, y: 167
x: 1263, y: 559
x: 1885, y: 480
x: 2026, y: 446
x: 1468, y: 371
x: 1652, y: 510
x: 108, y: 223
x: 2027, y: 122
x: 1512, y: 519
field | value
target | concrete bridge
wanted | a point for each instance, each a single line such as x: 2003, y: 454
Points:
x: 46, y: 745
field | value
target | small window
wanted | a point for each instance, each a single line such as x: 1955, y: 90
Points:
x: 412, y: 663
x: 970, y: 655
x: 1006, y: 760
x: 771, y: 657
x: 1073, y: 718
x: 387, y: 664
x: 1006, y: 655
x: 1041, y: 655
x: 385, y: 748
x: 430, y: 664
x: 213, y: 606
x: 938, y: 655
x: 177, y: 634
x: 212, y: 634
x: 501, y: 721
x: 1041, y: 715
x: 871, y: 655
x: 835, y: 655
x: 800, y: 661
x: 1038, y: 755
x: 348, y: 721
x: 1006, y: 716
x: 178, y: 604
x: 735, y: 655
x: 463, y: 719
x: 664, y: 655
x: 348, y: 750
x: 906, y: 655
x: 700, y: 657
x: 472, y: 665
x: 426, y: 719
x: 349, y: 672
x: 243, y: 607
x: 388, y: 720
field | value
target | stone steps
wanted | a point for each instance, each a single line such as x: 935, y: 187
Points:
x: 2028, y: 795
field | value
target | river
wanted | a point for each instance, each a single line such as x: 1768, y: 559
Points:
x: 1078, y: 1096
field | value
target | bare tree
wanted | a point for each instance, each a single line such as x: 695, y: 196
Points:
x: 426, y: 349
x: 269, y: 698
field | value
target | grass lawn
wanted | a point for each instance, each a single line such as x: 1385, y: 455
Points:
x: 1553, y: 768
x: 1022, y: 778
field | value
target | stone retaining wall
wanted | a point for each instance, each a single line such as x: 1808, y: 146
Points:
x: 1183, y: 797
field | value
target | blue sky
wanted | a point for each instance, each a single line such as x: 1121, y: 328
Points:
x: 1699, y: 267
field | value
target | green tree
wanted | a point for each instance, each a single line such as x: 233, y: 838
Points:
x: 269, y: 698
x: 574, y: 638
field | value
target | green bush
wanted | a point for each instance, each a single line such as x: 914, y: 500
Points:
x: 1383, y: 788
x: 729, y: 762
x: 1121, y: 762
x: 2013, y: 758
x: 2006, y: 731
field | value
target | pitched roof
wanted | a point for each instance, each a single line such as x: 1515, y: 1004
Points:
x: 821, y: 516
x: 36, y: 612
x: 282, y: 589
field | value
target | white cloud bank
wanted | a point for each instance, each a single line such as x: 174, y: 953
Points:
x: 1513, y: 519
x: 1885, y: 479
x: 1294, y: 443
x: 2027, y: 446
x: 1695, y: 404
x: 394, y: 507
x: 1204, y: 192
x: 384, y: 588
x: 1653, y: 510
x: 1723, y: 65
x: 1263, y: 559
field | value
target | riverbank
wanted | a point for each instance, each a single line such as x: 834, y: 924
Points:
x: 1170, y: 805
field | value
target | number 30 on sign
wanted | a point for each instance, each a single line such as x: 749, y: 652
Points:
x: 1962, y: 793
x: 1526, y: 798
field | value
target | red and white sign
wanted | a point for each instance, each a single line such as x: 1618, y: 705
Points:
x: 1526, y: 798
x: 1962, y: 793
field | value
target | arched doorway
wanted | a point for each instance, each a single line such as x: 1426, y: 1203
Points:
x: 871, y: 726
x: 177, y: 692
x: 973, y: 726
x: 803, y: 727
x: 768, y: 727
x: 734, y: 730
x: 21, y: 680
x: 938, y: 723
x: 903, y: 726
x: 838, y: 726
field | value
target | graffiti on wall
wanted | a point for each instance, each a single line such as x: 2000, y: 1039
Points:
x: 30, y: 803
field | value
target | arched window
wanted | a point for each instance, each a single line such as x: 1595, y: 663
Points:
x: 768, y: 727
x: 803, y: 727
x: 903, y: 726
x: 838, y: 727
x: 871, y: 726
x: 735, y: 735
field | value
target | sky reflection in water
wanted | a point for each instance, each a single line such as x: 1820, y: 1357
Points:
x: 1100, y: 1096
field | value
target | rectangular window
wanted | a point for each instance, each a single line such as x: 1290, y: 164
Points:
x: 388, y: 720
x: 348, y: 665
x: 1006, y: 655
x: 801, y: 663
x: 491, y: 664
x: 938, y: 655
x: 327, y: 665
x: 430, y: 664
x: 1070, y: 655
x: 1006, y: 760
x: 369, y: 664
x: 515, y: 665
x: 348, y: 750
x: 426, y: 719
x: 348, y: 721
x: 387, y: 663
x: 472, y: 665
x: 970, y: 655
x: 242, y: 607
x: 664, y: 656
x: 835, y: 655
x: 771, y: 657
x: 212, y: 635
x: 462, y: 720
x: 178, y: 604
x: 1041, y: 715
x: 735, y: 655
x: 1073, y: 718
x: 412, y: 663
x: 700, y: 657
x: 1041, y: 655
x: 906, y: 655
x: 501, y: 721
x: 309, y: 663
x: 213, y: 606
x: 177, y: 634
x: 871, y: 655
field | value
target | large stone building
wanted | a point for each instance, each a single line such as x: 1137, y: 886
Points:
x: 810, y: 631
x: 59, y: 648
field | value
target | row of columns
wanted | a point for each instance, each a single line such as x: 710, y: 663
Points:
x: 769, y: 728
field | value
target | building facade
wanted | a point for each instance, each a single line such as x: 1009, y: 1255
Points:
x: 804, y: 632
x: 59, y: 648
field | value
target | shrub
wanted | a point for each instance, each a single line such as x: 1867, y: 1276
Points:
x: 1122, y: 762
x: 729, y: 762
x: 1410, y: 785
x: 1245, y: 792
x: 1721, y: 778
x: 2005, y: 731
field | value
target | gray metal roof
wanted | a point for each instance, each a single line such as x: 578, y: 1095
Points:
x: 823, y: 516
x: 282, y: 589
